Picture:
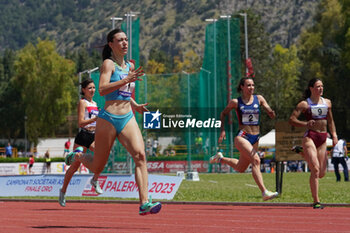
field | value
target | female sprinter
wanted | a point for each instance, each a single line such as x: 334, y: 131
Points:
x: 87, y: 116
x: 116, y: 120
x: 247, y: 107
x: 318, y: 113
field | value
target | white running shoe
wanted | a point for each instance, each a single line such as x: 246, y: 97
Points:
x: 216, y: 158
x: 62, y: 199
x: 268, y: 195
x: 96, y: 185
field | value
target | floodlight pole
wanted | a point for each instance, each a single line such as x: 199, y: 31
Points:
x: 208, y: 74
x: 129, y: 31
x: 25, y: 135
x: 115, y: 19
x: 215, y: 78
x: 229, y: 77
x: 129, y: 16
x: 80, y: 79
x: 91, y: 71
x: 189, y: 166
x: 245, y: 37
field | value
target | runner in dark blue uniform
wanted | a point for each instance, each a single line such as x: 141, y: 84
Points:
x: 248, y: 113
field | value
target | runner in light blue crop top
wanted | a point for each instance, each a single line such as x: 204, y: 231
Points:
x: 125, y: 92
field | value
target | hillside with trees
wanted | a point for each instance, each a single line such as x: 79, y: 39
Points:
x: 173, y: 27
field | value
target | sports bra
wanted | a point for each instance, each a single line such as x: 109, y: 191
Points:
x: 124, y: 92
x: 248, y: 114
x: 91, y: 111
x: 316, y: 111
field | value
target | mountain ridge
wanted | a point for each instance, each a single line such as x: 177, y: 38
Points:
x: 172, y: 26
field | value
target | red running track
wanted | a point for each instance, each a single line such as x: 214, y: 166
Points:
x: 111, y: 217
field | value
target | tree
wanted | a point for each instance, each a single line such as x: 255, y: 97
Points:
x: 282, y: 80
x: 11, y: 107
x: 154, y: 67
x: 324, y: 52
x: 191, y: 62
x: 160, y: 57
x: 84, y: 59
x: 45, y: 81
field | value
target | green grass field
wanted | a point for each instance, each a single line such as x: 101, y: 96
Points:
x: 242, y: 188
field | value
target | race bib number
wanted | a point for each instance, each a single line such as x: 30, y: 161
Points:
x: 250, y: 119
x: 93, y: 113
x: 319, y: 111
x: 127, y: 89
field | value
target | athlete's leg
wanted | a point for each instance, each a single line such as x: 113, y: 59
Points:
x: 241, y: 164
x: 336, y: 168
x: 131, y: 139
x: 345, y: 169
x: 104, y: 138
x: 92, y: 148
x: 70, y: 172
x: 248, y: 156
x: 322, y: 159
x: 310, y: 154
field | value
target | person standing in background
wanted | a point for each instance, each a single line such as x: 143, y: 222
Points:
x: 8, y: 150
x: 31, y: 163
x: 155, y: 147
x: 48, y: 162
x: 340, y: 156
x: 66, y: 147
x: 148, y: 148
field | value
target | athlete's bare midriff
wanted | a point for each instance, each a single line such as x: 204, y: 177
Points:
x: 319, y: 126
x: 251, y: 129
x: 118, y: 107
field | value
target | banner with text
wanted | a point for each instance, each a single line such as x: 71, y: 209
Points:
x: 121, y: 186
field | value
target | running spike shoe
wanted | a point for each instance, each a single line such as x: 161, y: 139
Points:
x: 70, y: 157
x: 216, y: 158
x: 96, y: 185
x: 150, y: 208
x: 62, y: 199
x: 268, y: 195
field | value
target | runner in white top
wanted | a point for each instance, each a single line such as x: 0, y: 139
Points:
x: 85, y: 139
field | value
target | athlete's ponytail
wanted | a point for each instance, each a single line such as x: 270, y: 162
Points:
x: 106, y: 52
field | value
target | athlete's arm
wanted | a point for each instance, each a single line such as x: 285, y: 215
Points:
x: 330, y: 121
x: 293, y: 119
x: 231, y: 105
x: 345, y: 150
x: 138, y: 107
x: 266, y: 106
